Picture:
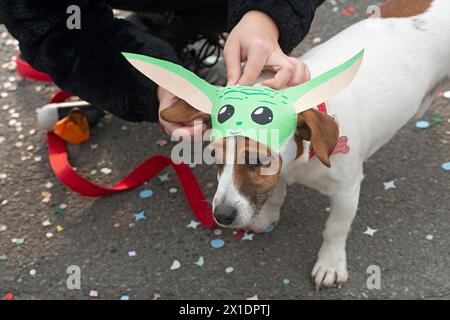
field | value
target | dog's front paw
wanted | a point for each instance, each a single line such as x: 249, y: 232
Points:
x: 330, y: 268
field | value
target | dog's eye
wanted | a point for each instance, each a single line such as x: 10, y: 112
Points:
x: 225, y: 113
x: 262, y: 115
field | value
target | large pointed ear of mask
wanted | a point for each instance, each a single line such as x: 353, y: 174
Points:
x: 176, y: 79
x: 325, y: 86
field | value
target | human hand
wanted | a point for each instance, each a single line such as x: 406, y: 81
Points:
x: 255, y: 40
x: 166, y: 100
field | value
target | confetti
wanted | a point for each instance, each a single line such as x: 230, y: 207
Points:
x: 105, y: 170
x: 255, y: 297
x: 192, y: 165
x: 389, y: 185
x: 124, y: 298
x: 193, y: 224
x: 59, y: 228
x: 3, y: 176
x: 164, y: 177
x: 173, y: 190
x: 93, y: 294
x: 9, y: 296
x: 49, y: 235
x: 145, y: 194
x: 3, y: 257
x: 156, y: 296
x: 229, y: 269
x: 46, y: 196
x: 132, y: 253
x: 217, y: 232
x: 46, y: 223
x: 58, y: 211
x: 446, y: 94
x: 446, y: 166
x: 200, y: 262
x: 161, y: 142
x: 248, y: 236
x: 436, y: 120
x: 422, y: 124
x: 32, y: 272
x: 286, y: 281
x: 139, y: 216
x: 317, y: 40
x: 369, y: 231
x: 269, y: 229
x: 2, y: 139
x: 2, y: 227
x: 20, y: 241
x: 217, y: 243
x: 175, y: 265
x: 48, y: 185
x: 429, y: 237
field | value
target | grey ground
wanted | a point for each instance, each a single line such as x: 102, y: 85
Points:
x: 97, y: 234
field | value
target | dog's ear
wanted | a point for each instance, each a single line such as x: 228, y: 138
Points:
x: 319, y: 128
x: 182, y: 112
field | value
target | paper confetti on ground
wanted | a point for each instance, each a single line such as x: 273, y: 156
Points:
x: 217, y: 243
x: 175, y: 265
x: 164, y: 177
x: 217, y: 232
x: 3, y: 257
x: 2, y: 227
x: 269, y: 229
x: 139, y: 216
x: 173, y: 190
x: 59, y: 228
x: 156, y: 296
x: 46, y: 223
x: 422, y: 124
x: 389, y: 185
x: 105, y: 170
x: 286, y: 281
x: 229, y: 269
x: 193, y: 224
x: 145, y: 194
x: 255, y: 297
x: 429, y: 237
x: 248, y: 236
x: 200, y: 262
x: 132, y: 253
x: 32, y: 272
x: 446, y: 166
x: 9, y: 296
x: 124, y: 298
x: 370, y: 232
x: 93, y: 294
x: 446, y: 94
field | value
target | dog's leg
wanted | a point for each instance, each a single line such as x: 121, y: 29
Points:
x: 331, y: 266
x: 270, y: 212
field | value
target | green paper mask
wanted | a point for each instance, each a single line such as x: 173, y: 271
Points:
x: 260, y: 113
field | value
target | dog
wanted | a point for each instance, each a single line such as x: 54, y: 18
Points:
x: 407, y: 57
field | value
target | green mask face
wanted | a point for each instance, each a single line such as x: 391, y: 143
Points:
x: 260, y: 113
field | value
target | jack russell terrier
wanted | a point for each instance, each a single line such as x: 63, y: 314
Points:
x: 407, y: 56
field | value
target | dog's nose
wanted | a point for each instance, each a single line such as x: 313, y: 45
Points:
x: 225, y: 215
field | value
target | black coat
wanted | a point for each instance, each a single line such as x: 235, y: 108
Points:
x: 88, y: 63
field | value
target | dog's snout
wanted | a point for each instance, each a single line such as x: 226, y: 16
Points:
x: 225, y: 215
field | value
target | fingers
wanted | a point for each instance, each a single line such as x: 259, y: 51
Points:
x: 232, y: 55
x: 301, y: 73
x: 289, y: 72
x: 256, y: 60
x: 282, y: 76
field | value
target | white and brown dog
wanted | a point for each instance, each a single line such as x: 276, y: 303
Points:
x: 407, y: 56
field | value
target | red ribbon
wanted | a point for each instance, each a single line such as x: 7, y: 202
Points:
x: 145, y: 171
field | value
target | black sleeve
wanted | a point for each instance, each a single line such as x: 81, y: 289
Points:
x: 88, y: 62
x: 293, y: 17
